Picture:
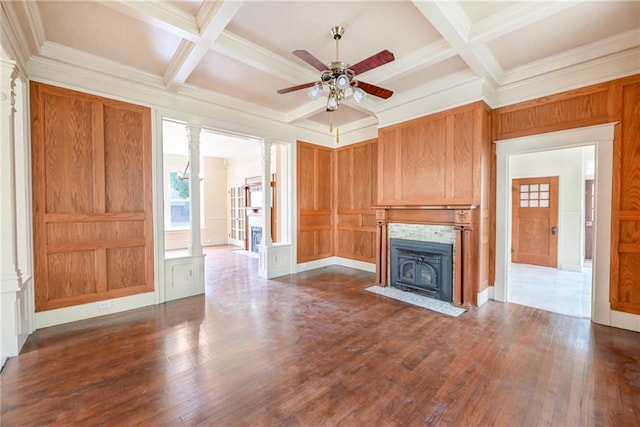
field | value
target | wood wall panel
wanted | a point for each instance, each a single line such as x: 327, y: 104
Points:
x: 91, y: 166
x: 125, y: 267
x: 355, y: 219
x: 123, y: 155
x: 315, y: 192
x: 75, y: 272
x: 625, y: 250
x: 68, y: 144
x: 577, y: 108
x: 434, y: 160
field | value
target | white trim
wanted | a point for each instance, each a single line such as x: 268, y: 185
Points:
x: 485, y: 295
x: 59, y: 316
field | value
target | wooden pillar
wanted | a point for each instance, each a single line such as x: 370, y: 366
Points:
x: 467, y: 272
x: 382, y: 242
x: 457, y: 286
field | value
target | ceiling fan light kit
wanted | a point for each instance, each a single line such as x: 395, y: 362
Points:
x: 339, y: 77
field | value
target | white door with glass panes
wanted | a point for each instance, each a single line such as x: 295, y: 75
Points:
x: 236, y: 216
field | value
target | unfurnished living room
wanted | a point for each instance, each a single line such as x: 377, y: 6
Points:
x: 314, y: 213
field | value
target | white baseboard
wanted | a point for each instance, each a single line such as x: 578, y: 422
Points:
x: 571, y: 267
x: 94, y: 309
x: 485, y: 295
x: 334, y: 260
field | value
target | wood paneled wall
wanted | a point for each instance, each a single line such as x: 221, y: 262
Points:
x: 91, y: 164
x: 434, y: 160
x: 315, y: 194
x: 614, y: 101
x: 355, y: 192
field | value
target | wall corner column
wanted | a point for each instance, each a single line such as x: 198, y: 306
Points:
x: 193, y: 134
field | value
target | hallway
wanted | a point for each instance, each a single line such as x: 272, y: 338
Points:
x: 559, y: 291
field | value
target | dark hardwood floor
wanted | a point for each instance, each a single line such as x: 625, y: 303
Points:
x: 315, y: 349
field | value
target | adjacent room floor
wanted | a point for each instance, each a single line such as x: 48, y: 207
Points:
x: 559, y: 291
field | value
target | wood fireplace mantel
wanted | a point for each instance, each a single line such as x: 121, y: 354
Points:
x: 463, y: 218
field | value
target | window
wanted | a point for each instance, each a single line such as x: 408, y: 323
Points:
x: 534, y: 196
x: 179, y: 202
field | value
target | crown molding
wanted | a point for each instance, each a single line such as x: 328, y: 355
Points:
x: 462, y: 94
x: 600, y: 70
x: 188, y: 102
x: 14, y: 43
x: 591, y: 52
x: 428, y: 89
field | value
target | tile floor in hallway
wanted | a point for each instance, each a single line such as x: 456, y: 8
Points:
x: 564, y: 292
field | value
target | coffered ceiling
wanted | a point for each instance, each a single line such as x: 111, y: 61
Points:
x: 236, y: 54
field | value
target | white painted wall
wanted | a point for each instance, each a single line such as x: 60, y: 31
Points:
x: 568, y: 164
x: 214, y: 202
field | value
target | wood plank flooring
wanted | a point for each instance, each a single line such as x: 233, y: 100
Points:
x: 315, y: 349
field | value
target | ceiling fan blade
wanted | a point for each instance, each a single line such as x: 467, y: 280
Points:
x: 310, y: 59
x: 375, y: 90
x: 374, y: 61
x: 294, y: 88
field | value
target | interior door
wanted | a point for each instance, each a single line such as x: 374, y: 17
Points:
x: 535, y: 221
x: 589, y: 211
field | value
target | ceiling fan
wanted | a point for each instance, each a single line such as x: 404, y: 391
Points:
x: 338, y: 76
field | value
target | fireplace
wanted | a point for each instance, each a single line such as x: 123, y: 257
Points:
x: 256, y: 236
x: 423, y: 267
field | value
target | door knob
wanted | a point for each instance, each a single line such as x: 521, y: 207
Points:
x: 554, y: 230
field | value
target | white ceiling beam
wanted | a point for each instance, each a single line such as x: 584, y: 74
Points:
x: 452, y: 23
x: 161, y: 14
x: 213, y: 17
x: 249, y: 53
x: 515, y: 17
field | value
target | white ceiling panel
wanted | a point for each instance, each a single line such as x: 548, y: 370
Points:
x: 479, y: 10
x: 101, y: 31
x: 190, y: 6
x: 340, y: 117
x: 570, y: 29
x: 421, y: 77
x: 369, y: 28
x: 225, y: 75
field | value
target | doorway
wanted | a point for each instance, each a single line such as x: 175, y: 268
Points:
x: 547, y: 267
